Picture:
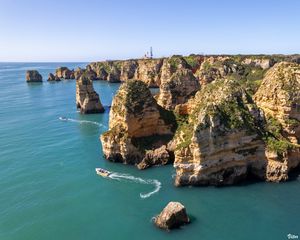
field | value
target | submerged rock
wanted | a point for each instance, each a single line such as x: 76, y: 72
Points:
x: 33, y: 76
x: 137, y: 124
x: 173, y: 216
x: 87, y: 100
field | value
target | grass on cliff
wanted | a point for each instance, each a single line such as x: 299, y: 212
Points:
x: 274, y: 139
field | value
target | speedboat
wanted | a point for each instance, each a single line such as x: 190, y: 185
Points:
x: 102, y: 172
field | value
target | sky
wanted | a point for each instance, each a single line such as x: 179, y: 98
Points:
x: 90, y: 30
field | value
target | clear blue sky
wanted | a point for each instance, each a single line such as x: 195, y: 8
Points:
x: 88, y: 30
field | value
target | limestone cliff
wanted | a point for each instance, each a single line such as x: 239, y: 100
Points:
x: 137, y: 126
x: 221, y: 137
x: 279, y: 98
x: 87, y: 100
x: 229, y: 135
x: 178, y: 83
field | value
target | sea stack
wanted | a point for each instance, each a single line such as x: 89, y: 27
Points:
x: 33, y: 76
x: 65, y: 73
x: 172, y: 216
x: 52, y: 77
x: 87, y: 100
x: 138, y: 127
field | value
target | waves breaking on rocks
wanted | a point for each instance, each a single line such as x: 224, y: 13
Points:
x: 154, y: 182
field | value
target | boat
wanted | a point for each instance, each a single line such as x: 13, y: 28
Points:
x: 102, y: 172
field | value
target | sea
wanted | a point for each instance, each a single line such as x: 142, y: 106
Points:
x: 49, y: 189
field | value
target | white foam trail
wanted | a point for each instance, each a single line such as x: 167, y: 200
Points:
x: 80, y: 121
x: 121, y: 176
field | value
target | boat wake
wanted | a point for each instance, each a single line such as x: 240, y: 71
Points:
x: 154, y: 182
x: 80, y: 121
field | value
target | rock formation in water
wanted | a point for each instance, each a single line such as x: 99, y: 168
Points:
x: 33, y: 76
x: 229, y: 135
x: 52, y: 77
x: 279, y: 98
x: 65, y: 73
x: 138, y: 127
x: 244, y: 121
x: 172, y: 216
x: 87, y: 100
x: 221, y: 137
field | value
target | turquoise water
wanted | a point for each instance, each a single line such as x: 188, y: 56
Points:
x: 49, y: 189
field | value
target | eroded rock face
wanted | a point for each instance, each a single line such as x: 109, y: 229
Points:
x: 65, y: 73
x: 114, y: 75
x: 33, y: 76
x: 87, y: 100
x: 78, y: 72
x: 178, y: 83
x: 148, y: 71
x: 173, y: 216
x: 279, y: 98
x: 137, y: 124
x: 229, y: 134
x: 259, y: 62
x: 221, y: 138
x: 159, y: 156
x: 52, y: 77
x: 128, y: 69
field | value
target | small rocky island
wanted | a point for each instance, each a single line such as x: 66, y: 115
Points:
x: 172, y: 216
x: 87, y: 100
x: 33, y: 76
x: 219, y: 119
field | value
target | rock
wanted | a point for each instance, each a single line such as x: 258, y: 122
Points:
x: 136, y: 124
x: 221, y: 138
x: 87, y: 100
x: 173, y: 216
x: 148, y: 71
x: 114, y: 75
x: 52, y: 77
x: 158, y: 156
x: 128, y: 69
x: 230, y: 135
x: 33, y: 76
x: 78, y: 72
x: 264, y: 63
x: 279, y: 97
x: 65, y: 73
x: 178, y: 89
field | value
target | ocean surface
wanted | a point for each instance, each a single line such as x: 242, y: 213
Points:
x: 49, y: 188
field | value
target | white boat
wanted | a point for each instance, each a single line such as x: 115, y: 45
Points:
x: 102, y: 172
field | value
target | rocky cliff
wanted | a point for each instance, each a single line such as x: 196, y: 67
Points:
x: 279, y: 98
x: 178, y: 83
x: 138, y: 127
x: 87, y: 100
x: 244, y: 121
x: 229, y: 135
